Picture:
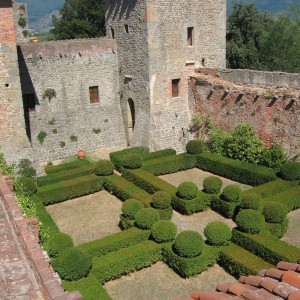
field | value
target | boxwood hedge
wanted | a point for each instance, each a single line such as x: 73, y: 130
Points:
x: 67, y: 166
x: 158, y: 154
x: 226, y: 209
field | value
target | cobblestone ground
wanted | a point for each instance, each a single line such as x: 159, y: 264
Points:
x: 16, y: 278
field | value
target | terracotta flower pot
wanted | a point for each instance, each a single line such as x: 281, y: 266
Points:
x: 81, y: 154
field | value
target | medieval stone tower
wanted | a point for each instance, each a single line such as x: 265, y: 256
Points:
x: 159, y: 43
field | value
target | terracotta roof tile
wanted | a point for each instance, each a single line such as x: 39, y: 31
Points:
x: 291, y: 278
x: 253, y: 280
x: 269, y: 284
x: 223, y: 287
x: 283, y: 290
x: 294, y: 296
x: 195, y: 294
x: 214, y: 296
x: 274, y: 273
x: 287, y: 266
x: 262, y: 273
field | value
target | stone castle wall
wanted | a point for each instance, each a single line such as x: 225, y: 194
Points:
x: 20, y: 11
x: 71, y: 68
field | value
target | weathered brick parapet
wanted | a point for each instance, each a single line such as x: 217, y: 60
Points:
x: 26, y: 231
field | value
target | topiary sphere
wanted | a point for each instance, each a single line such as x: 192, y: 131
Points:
x: 195, y: 147
x: 218, y: 233
x: 188, y: 244
x: 212, y: 184
x: 250, y: 221
x: 146, y: 217
x: 161, y: 200
x: 131, y: 207
x: 187, y: 190
x: 132, y: 161
x: 58, y: 243
x: 275, y: 212
x: 232, y: 193
x: 28, y: 185
x: 72, y: 264
x: 164, y: 231
x: 251, y: 201
x: 290, y: 171
x: 104, y: 168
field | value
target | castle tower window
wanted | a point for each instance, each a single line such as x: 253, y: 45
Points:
x: 112, y: 32
x: 190, y: 36
x: 29, y: 102
x: 175, y: 88
x: 94, y: 94
x: 126, y: 28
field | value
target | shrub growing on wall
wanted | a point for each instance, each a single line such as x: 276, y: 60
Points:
x: 195, y: 147
x: 131, y: 207
x: 251, y: 201
x: 275, y: 212
x: 250, y: 221
x: 164, y: 231
x: 212, y: 184
x: 187, y: 190
x: 28, y: 185
x: 290, y: 171
x: 146, y: 217
x: 104, y: 168
x: 57, y: 243
x: 132, y: 161
x: 232, y: 193
x: 217, y: 233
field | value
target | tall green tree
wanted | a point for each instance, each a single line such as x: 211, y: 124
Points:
x: 80, y: 19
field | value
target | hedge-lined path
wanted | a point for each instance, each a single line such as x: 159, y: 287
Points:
x: 16, y: 278
x: 292, y: 235
x: 197, y: 176
x: 89, y: 217
x: 160, y: 282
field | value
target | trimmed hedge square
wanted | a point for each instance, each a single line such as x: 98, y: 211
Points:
x: 67, y: 166
x: 226, y: 209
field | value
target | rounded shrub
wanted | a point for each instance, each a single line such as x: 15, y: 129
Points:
x: 212, y: 185
x: 250, y: 221
x: 104, y: 168
x: 195, y: 147
x: 188, y: 244
x: 131, y: 207
x: 251, y: 201
x: 28, y: 185
x: 187, y: 190
x: 161, y: 200
x: 28, y: 172
x: 165, y: 214
x: 132, y: 161
x: 217, y: 233
x: 290, y: 171
x: 72, y: 264
x: 146, y: 217
x: 232, y: 193
x: 58, y: 243
x: 164, y: 231
x: 275, y: 212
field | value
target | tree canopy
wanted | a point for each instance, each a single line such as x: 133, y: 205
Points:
x: 80, y: 19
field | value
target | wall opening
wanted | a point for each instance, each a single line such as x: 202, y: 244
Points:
x: 175, y: 87
x: 190, y: 36
x: 94, y: 94
x: 130, y: 119
x: 126, y: 28
x: 112, y: 32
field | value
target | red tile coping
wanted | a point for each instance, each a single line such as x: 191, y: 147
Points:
x: 26, y: 230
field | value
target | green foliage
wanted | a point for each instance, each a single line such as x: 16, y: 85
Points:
x: 41, y: 136
x: 278, y: 229
x: 96, y: 130
x: 50, y: 169
x: 187, y: 190
x: 51, y: 122
x: 27, y: 186
x: 290, y: 171
x: 54, y: 131
x: 239, y: 262
x: 275, y: 212
x: 274, y: 157
x: 224, y: 208
x: 266, y: 246
x: 104, y: 168
x: 165, y: 214
x: 232, y: 193
x: 25, y: 168
x: 73, y: 138
x: 131, y: 207
x: 195, y: 147
x: 57, y: 243
x: 212, y: 185
x: 49, y: 94
x: 217, y: 141
x: 251, y: 221
x: 115, y: 242
x: 200, y: 125
x: 80, y: 19
x: 72, y: 264
x: 251, y: 201
x: 158, y: 154
x: 22, y: 21
x: 62, y: 144
x: 126, y: 260
x: 132, y: 161
x: 5, y: 168
x: 164, y: 231
x: 217, y: 233
x: 161, y: 200
x: 188, y: 244
x: 146, y: 217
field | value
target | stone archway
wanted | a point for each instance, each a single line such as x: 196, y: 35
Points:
x: 130, y: 119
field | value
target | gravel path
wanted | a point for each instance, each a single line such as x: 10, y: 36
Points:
x: 292, y: 235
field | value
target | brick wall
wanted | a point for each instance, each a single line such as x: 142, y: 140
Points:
x: 7, y: 26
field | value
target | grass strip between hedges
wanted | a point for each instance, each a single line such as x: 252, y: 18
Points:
x: 240, y: 262
x: 126, y: 260
x: 266, y: 246
x: 67, y: 166
x: 115, y: 242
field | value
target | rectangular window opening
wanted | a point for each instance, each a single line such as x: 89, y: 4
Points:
x: 94, y: 94
x: 112, y: 32
x: 29, y: 102
x: 175, y: 88
x: 190, y: 36
x: 126, y: 28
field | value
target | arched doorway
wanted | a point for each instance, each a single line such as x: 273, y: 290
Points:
x: 130, y: 119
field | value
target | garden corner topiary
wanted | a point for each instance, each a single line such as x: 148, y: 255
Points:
x: 188, y: 244
x: 232, y: 193
x: 195, y: 147
x: 132, y: 161
x: 275, y: 212
x: 290, y: 171
x: 27, y: 185
x: 187, y: 190
x: 217, y: 233
x: 161, y: 200
x: 250, y: 221
x: 58, y: 243
x: 72, y: 264
x: 164, y: 231
x: 104, y: 168
x: 146, y: 217
x: 251, y: 201
x: 212, y: 185
x: 131, y: 207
